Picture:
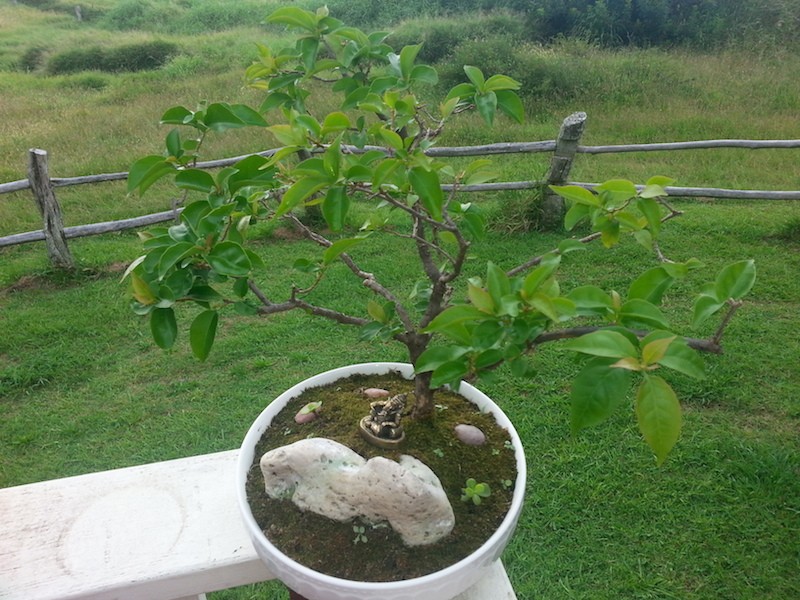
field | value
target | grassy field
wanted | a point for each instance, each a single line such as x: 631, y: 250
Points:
x: 83, y: 388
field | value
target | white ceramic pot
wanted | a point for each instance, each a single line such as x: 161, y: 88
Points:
x: 440, y: 585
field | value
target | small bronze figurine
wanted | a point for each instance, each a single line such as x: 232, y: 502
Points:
x: 382, y: 426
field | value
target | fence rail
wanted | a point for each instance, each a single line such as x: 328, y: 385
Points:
x: 564, y: 150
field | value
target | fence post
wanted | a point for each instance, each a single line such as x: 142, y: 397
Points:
x: 46, y: 202
x: 566, y: 145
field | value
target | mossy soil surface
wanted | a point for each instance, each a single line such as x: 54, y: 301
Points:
x: 373, y: 552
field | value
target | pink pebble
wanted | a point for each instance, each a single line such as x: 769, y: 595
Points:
x: 470, y: 435
x: 305, y: 417
x: 375, y: 393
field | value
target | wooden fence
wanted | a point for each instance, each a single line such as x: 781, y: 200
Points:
x: 564, y: 149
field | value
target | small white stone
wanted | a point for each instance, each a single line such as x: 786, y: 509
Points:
x: 330, y: 479
x: 373, y: 393
x: 470, y: 435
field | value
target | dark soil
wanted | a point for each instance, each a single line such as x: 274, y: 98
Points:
x: 336, y: 548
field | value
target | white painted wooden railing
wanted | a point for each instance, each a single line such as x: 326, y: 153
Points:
x: 163, y: 531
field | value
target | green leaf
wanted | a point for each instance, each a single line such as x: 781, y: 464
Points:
x: 202, y: 332
x: 335, y: 122
x: 453, y: 315
x: 511, y: 105
x: 173, y: 143
x: 487, y: 106
x: 651, y: 285
x: 424, y: 74
x: 174, y: 254
x: 680, y: 357
x: 335, y: 207
x: 704, y: 307
x: 195, y: 179
x: 576, y: 213
x: 641, y: 313
x: 146, y: 171
x: 652, y: 212
x: 617, y: 191
x: 501, y: 82
x: 426, y: 185
x: 596, y: 392
x: 480, y: 298
x: 299, y: 192
x: 376, y: 311
x: 577, y: 194
x: 659, y: 415
x: 475, y: 75
x: 294, y: 17
x: 610, y: 344
x: 177, y: 115
x: 590, y: 300
x: 229, y: 258
x: 164, y: 327
x: 497, y: 282
x: 436, y: 356
x: 450, y: 373
x: 539, y: 275
x: 220, y: 117
x: 654, y: 350
x: 407, y: 56
x: 339, y: 247
x: 462, y: 90
x: 736, y: 280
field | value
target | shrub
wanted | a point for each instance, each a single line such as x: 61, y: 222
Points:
x: 131, y: 57
x: 32, y: 59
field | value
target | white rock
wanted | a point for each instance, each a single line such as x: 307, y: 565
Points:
x: 470, y: 435
x: 328, y: 478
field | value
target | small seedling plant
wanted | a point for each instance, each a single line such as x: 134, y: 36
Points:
x: 374, y: 150
x: 475, y: 492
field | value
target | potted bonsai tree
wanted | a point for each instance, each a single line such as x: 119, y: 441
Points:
x: 372, y: 151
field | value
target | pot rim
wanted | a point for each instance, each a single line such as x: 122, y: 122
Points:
x: 264, y: 419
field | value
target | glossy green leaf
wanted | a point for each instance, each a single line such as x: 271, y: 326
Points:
x: 487, y: 106
x: 575, y: 214
x: 299, y: 192
x: 654, y: 350
x: 475, y: 75
x: 424, y: 74
x: 641, y: 313
x: 195, y: 179
x: 591, y: 300
x: 335, y: 207
x: 335, y: 122
x: 480, y: 298
x: 680, y: 357
x: 539, y: 275
x: 736, y: 280
x: 456, y: 314
x: 229, y: 258
x: 436, y: 356
x: 427, y: 186
x: 497, y: 283
x: 511, y: 105
x: 651, y: 285
x: 462, y: 90
x: 146, y: 171
x: 450, y: 373
x: 659, y: 415
x: 610, y: 344
x: 407, y: 56
x: 704, y: 307
x: 164, y: 327
x: 294, y: 17
x: 177, y: 115
x: 577, y: 194
x: 202, y: 333
x: 501, y: 82
x: 339, y: 247
x: 596, y: 392
x: 174, y: 254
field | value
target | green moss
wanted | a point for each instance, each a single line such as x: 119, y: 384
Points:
x: 339, y: 550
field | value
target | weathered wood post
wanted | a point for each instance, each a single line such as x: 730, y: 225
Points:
x: 566, y: 145
x: 46, y: 202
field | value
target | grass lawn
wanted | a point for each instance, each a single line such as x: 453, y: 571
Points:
x: 83, y: 388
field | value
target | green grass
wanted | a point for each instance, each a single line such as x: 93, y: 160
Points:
x: 83, y: 388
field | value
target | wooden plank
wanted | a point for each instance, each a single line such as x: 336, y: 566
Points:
x: 160, y: 531
x: 164, y: 530
x: 48, y: 206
